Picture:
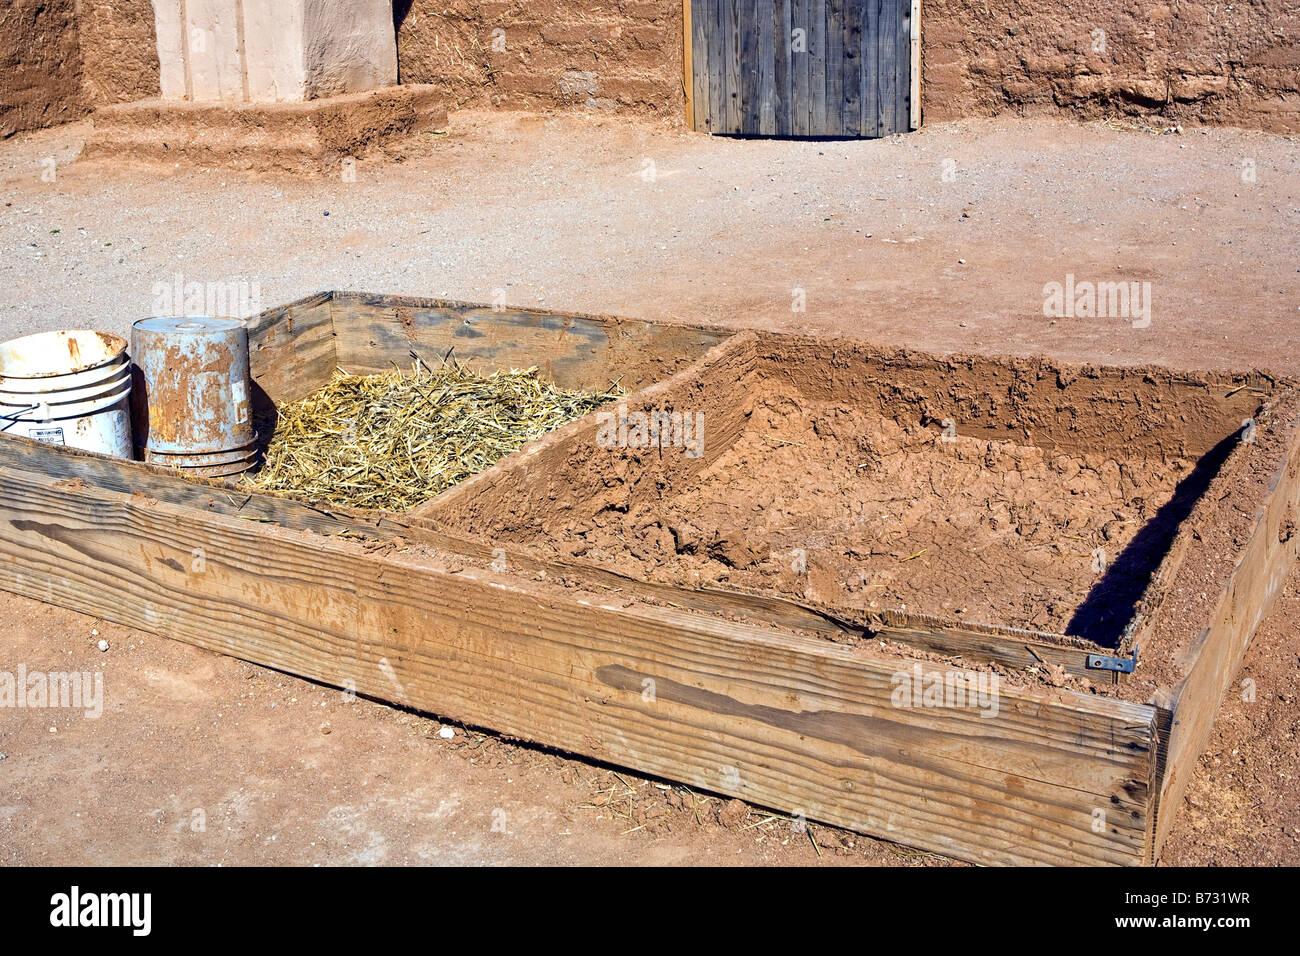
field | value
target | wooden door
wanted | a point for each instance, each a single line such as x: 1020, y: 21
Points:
x: 803, y: 67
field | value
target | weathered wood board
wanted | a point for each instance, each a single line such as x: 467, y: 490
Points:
x: 291, y: 349
x: 842, y: 68
x: 372, y: 333
x: 1214, y: 658
x: 802, y: 725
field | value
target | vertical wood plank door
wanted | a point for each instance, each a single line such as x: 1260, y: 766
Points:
x: 843, y: 68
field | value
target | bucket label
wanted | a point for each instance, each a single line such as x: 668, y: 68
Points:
x: 240, y: 394
x: 51, y: 436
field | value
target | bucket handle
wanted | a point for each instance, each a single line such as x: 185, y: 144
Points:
x: 11, y: 419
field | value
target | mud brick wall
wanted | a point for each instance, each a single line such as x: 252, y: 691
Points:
x: 40, y: 65
x: 59, y: 58
x: 1236, y: 63
x: 605, y: 55
x: 118, y: 50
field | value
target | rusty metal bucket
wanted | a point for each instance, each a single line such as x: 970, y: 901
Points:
x: 194, y: 405
x: 216, y: 470
x: 216, y: 465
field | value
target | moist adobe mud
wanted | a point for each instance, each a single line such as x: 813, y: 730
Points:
x: 843, y: 507
x: 997, y: 493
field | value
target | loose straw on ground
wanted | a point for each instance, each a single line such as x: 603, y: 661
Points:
x: 392, y: 441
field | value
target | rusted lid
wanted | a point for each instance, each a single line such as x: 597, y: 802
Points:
x: 188, y: 324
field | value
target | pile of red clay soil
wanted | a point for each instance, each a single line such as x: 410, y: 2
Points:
x: 839, y: 506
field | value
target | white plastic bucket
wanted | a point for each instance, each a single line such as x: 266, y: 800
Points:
x: 84, y: 379
x: 68, y: 388
x: 69, y: 395
x: 103, y: 426
x: 53, y: 361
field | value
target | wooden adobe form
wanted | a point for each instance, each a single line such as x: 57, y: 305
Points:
x: 749, y: 697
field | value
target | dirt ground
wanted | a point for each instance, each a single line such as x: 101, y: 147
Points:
x: 199, y: 759
x: 943, y: 240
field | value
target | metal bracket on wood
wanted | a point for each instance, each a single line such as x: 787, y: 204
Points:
x: 1122, y: 665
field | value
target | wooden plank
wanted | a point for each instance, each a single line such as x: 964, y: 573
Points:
x: 576, y: 351
x: 690, y: 78
x: 1262, y: 570
x: 268, y: 322
x: 765, y: 65
x: 782, y: 123
x: 817, y: 52
x: 800, y: 68
x: 161, y: 484
x: 710, y: 65
x: 834, y: 125
x: 914, y: 73
x: 735, y: 109
x: 718, y: 64
x: 750, y: 72
x: 903, y: 59
x: 870, y: 68
x: 291, y: 350
x: 797, y: 724
x: 887, y: 58
x: 851, y: 34
x: 996, y: 646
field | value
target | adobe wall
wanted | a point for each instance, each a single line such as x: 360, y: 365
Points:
x: 1233, y: 63
x: 118, y: 52
x: 40, y: 65
x: 543, y: 54
x: 1236, y: 64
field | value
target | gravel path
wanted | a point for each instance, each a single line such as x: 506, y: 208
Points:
x: 943, y: 239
